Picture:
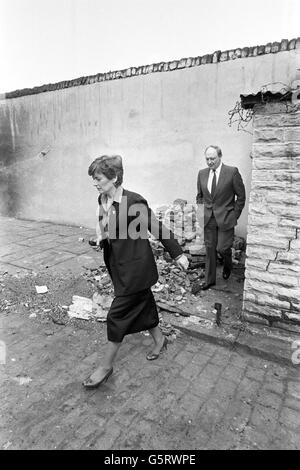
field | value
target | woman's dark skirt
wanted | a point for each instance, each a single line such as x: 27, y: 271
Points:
x: 131, y: 314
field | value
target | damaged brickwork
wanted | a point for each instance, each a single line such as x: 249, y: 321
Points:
x: 272, y: 286
x: 215, y: 57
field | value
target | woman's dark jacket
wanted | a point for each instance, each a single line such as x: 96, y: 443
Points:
x: 130, y: 262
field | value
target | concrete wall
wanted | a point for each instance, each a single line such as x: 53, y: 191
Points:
x: 160, y: 123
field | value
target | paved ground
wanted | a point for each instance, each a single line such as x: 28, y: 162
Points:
x: 196, y: 396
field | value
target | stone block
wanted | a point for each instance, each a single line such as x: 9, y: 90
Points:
x: 257, y: 264
x: 173, y: 65
x: 278, y: 120
x: 256, y: 197
x: 231, y: 55
x: 257, y: 207
x: 245, y: 51
x: 284, y: 269
x: 266, y: 300
x: 276, y: 150
x: 284, y: 44
x: 269, y: 135
x: 283, y: 163
x: 275, y: 279
x: 289, y: 294
x: 249, y: 297
x: 275, y: 47
x: 285, y: 211
x: 268, y: 48
x: 262, y: 287
x: 292, y: 135
x: 296, y: 306
x: 224, y: 56
x: 182, y: 64
x: 293, y: 317
x: 286, y: 326
x: 268, y: 220
x: 216, y: 56
x: 252, y: 318
x: 267, y: 231
x: 289, y: 258
x: 295, y: 245
x: 261, y: 252
x: 293, y: 222
x: 273, y: 175
x: 206, y: 59
x: 258, y: 185
x: 292, y: 44
x: 295, y: 179
x: 263, y: 310
x: 268, y: 240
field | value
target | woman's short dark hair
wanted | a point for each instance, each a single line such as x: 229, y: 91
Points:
x: 110, y: 166
x: 218, y: 150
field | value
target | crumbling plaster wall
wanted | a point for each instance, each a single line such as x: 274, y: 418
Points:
x: 160, y: 120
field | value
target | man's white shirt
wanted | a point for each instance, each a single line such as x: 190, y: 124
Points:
x: 211, y: 175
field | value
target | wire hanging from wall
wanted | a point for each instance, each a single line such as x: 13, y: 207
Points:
x: 240, y: 116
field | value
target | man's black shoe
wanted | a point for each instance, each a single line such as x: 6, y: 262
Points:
x: 226, y: 273
x: 207, y: 286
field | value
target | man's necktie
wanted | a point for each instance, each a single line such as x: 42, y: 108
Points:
x: 214, y: 184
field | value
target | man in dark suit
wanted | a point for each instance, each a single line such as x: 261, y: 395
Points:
x: 222, y: 191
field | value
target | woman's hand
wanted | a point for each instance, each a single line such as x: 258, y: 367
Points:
x: 95, y: 243
x: 182, y: 262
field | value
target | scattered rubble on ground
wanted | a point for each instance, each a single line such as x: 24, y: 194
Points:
x: 22, y: 379
x: 96, y: 308
x: 41, y: 289
x: 88, y: 297
x: 81, y: 308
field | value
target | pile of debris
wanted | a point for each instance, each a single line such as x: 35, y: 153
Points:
x: 171, y: 292
x: 183, y: 219
x: 186, y: 220
x: 97, y: 307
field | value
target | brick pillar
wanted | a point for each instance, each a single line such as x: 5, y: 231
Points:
x: 272, y: 285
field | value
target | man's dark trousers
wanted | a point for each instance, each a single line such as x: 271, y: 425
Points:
x: 217, y: 240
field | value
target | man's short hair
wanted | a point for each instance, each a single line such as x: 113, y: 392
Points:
x: 218, y: 149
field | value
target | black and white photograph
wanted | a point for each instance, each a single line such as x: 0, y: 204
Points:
x: 150, y: 227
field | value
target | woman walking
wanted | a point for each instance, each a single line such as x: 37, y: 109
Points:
x: 124, y: 222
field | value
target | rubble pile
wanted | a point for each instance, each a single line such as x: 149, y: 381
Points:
x: 174, y: 288
x: 182, y: 219
x: 168, y: 330
x: 171, y: 292
x: 238, y: 250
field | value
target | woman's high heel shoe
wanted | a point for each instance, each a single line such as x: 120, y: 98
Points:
x: 152, y: 356
x: 88, y: 383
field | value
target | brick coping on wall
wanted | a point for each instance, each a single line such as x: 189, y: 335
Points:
x: 217, y: 56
